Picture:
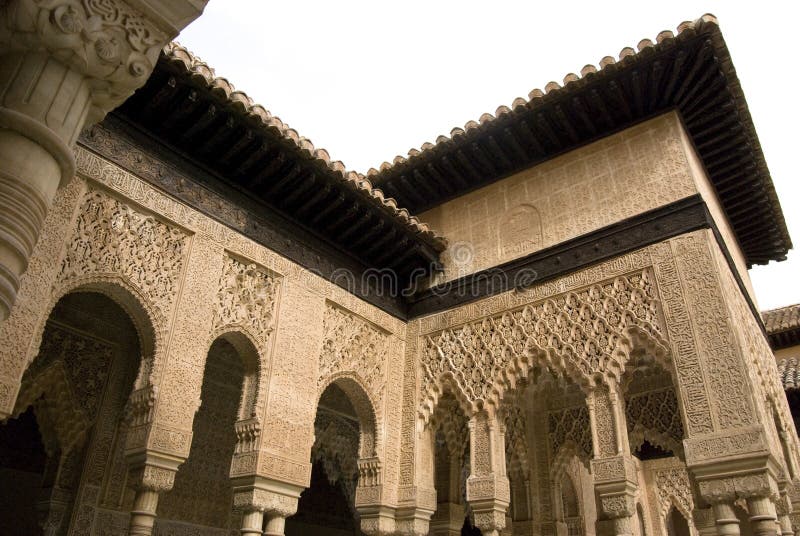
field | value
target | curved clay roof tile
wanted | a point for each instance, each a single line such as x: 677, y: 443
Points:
x: 552, y: 86
x: 606, y: 61
x: 663, y: 36
x: 535, y: 94
x: 260, y: 112
x: 519, y: 102
x: 323, y: 155
x: 398, y: 160
x: 626, y: 53
x: 643, y: 44
x: 502, y: 110
x: 571, y: 77
x: 588, y: 69
x: 455, y: 132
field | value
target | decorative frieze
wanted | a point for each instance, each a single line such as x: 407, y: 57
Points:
x: 579, y: 333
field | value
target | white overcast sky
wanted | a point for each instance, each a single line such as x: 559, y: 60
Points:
x: 370, y: 80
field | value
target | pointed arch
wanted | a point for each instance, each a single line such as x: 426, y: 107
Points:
x: 253, y: 362
x: 370, y: 444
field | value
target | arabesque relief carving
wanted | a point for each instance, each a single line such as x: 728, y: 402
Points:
x: 350, y: 344
x: 246, y: 298
x: 583, y: 333
x: 112, y: 239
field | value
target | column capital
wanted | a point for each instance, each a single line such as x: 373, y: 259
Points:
x: 271, y: 497
x: 113, y: 43
x: 152, y: 471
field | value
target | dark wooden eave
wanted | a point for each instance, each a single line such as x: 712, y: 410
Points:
x: 691, y: 73
x: 187, y: 113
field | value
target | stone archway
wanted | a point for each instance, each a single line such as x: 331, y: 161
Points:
x: 344, y: 457
x: 72, y: 397
x: 202, y: 494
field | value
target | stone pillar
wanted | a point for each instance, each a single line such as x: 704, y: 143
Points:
x: 763, y: 518
x: 613, y: 467
x: 448, y: 519
x: 262, y: 499
x: 149, y: 480
x: 488, y: 491
x: 725, y: 518
x: 64, y: 65
x: 252, y: 522
x: 377, y: 518
x: 783, y: 507
x: 704, y: 521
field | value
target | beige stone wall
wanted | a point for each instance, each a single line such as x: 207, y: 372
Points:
x: 617, y: 177
x: 186, y: 280
x: 676, y: 301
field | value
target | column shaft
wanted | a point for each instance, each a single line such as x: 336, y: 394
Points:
x: 143, y: 514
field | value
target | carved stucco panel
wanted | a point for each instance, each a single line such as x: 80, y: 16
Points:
x: 761, y: 366
x: 117, y: 246
x: 293, y: 389
x: 143, y: 194
x: 408, y: 431
x: 352, y: 345
x: 246, y: 298
x: 179, y: 392
x: 582, y: 333
x: 247, y: 301
x: 715, y: 340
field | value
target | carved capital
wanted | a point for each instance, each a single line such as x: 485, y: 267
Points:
x: 613, y: 469
x: 613, y: 506
x: 488, y: 488
x: 152, y: 478
x: 727, y: 489
x: 114, y: 44
x: 273, y: 498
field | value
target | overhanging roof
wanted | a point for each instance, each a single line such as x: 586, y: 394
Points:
x: 783, y: 326
x: 188, y: 108
x: 690, y: 72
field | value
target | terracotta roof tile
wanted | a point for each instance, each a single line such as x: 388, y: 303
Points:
x: 200, y: 70
x: 606, y: 63
x: 783, y: 319
x: 789, y: 373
